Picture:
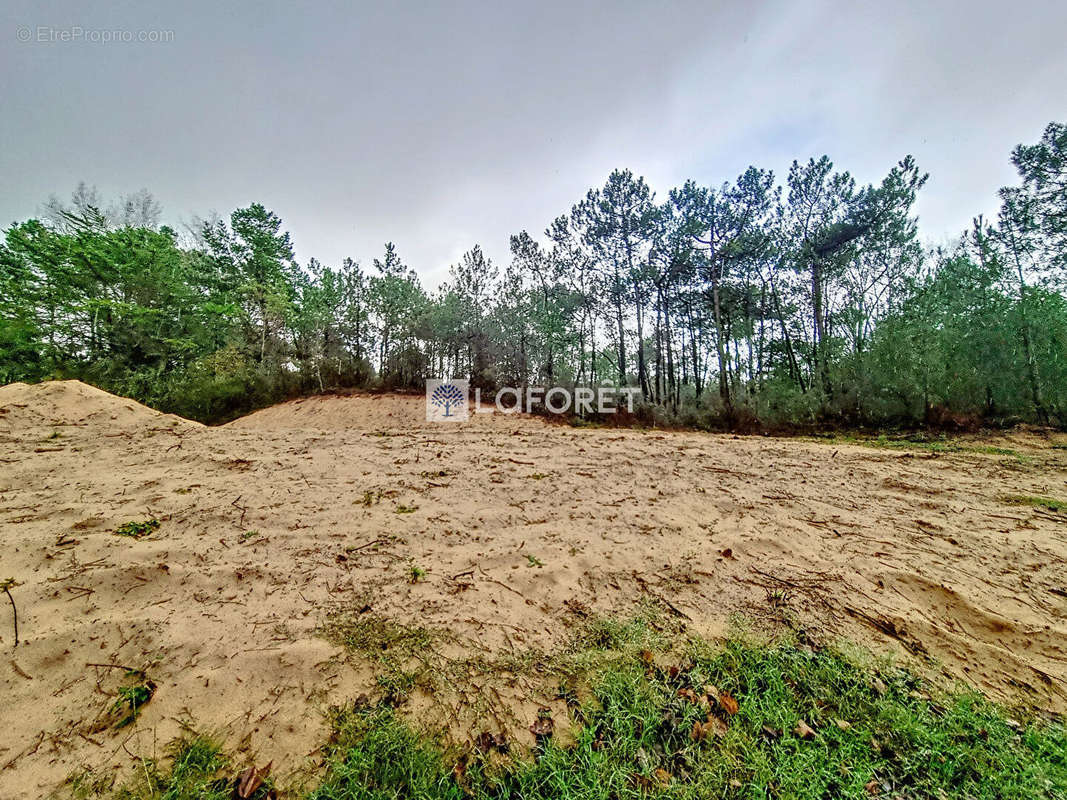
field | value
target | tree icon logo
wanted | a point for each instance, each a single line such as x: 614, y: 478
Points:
x: 447, y: 396
x: 446, y: 401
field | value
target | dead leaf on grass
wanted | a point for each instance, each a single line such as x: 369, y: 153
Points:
x: 543, y: 726
x: 249, y: 781
x: 487, y: 741
x: 704, y: 730
x: 728, y: 703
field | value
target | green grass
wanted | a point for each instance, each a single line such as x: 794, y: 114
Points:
x: 198, y: 769
x: 416, y: 573
x: 1049, y: 503
x: 131, y: 698
x: 929, y: 444
x: 137, y: 530
x: 882, y: 733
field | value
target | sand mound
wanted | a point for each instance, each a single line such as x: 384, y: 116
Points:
x: 520, y: 529
x: 368, y: 412
x: 59, y: 404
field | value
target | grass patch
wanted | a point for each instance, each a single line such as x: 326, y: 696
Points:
x: 199, y: 770
x: 403, y: 654
x: 137, y: 530
x: 929, y: 444
x: 1048, y: 503
x: 131, y: 699
x: 463, y: 673
x: 416, y: 573
x: 750, y: 720
x: 373, y: 636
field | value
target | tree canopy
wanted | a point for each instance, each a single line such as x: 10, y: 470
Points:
x: 803, y: 302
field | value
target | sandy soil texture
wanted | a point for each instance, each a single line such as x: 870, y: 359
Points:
x: 268, y: 524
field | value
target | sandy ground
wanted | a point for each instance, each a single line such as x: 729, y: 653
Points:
x: 266, y: 526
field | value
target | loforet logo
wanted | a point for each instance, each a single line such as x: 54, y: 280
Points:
x: 450, y: 401
x: 446, y: 401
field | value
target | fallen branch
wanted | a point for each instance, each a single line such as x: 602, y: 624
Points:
x: 6, y: 586
x: 379, y: 540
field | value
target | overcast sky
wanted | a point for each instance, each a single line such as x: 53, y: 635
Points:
x: 442, y: 125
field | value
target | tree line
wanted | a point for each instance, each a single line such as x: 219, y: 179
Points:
x: 755, y: 302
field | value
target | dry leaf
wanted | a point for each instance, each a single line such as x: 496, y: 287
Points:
x: 702, y: 730
x: 662, y: 777
x: 804, y: 730
x: 842, y: 724
x: 879, y: 686
x: 543, y: 725
x: 648, y: 657
x: 459, y: 770
x: 872, y: 787
x: 250, y: 780
x: 487, y: 741
x: 642, y: 782
x: 729, y: 705
x: 697, y: 733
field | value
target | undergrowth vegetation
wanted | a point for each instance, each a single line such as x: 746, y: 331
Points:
x: 653, y: 714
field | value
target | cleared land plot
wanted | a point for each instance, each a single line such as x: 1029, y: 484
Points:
x: 323, y: 548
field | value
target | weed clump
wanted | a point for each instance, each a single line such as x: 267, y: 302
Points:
x: 1047, y: 503
x: 137, y: 530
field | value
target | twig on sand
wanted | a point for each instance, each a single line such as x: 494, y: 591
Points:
x: 115, y: 666
x: 501, y: 583
x: 648, y: 590
x: 6, y: 586
x: 242, y: 509
x: 808, y: 584
x: 371, y: 543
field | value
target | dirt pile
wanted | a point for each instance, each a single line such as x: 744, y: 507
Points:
x: 503, y: 534
x: 28, y: 408
x: 369, y: 412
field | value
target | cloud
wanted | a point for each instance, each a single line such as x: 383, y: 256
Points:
x: 441, y: 125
